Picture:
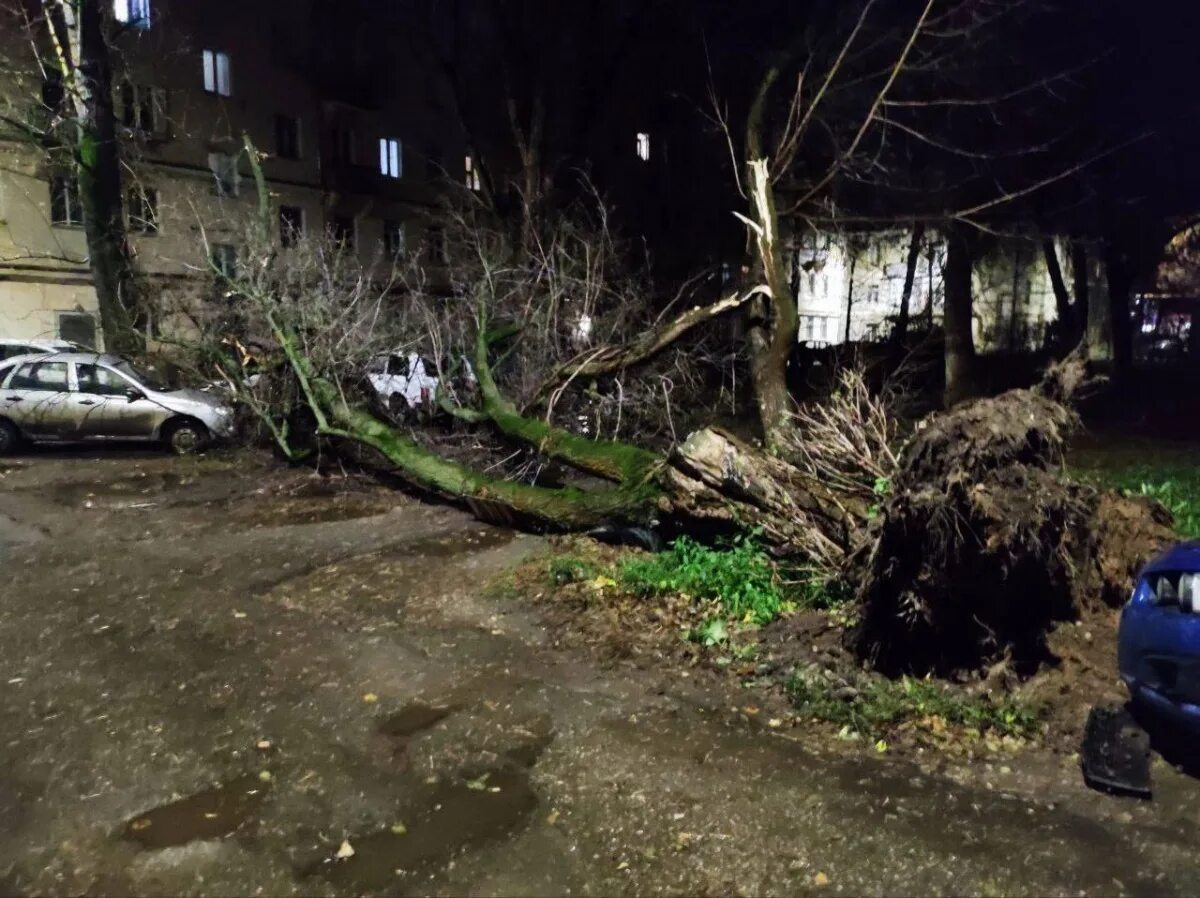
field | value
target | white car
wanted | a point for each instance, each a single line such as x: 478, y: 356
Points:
x: 408, y: 382
x: 11, y: 348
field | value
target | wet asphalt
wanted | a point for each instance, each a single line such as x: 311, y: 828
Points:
x: 220, y: 677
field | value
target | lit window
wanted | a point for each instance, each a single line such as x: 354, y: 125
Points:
x: 133, y: 12
x: 287, y: 137
x: 218, y: 78
x: 643, y: 146
x: 291, y: 224
x: 225, y: 174
x: 473, y: 180
x: 65, y: 207
x: 143, y: 210
x: 224, y: 260
x: 394, y: 239
x: 390, y: 163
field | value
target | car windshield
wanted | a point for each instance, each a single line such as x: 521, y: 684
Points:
x: 139, y: 375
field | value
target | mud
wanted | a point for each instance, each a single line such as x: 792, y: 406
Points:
x: 155, y: 658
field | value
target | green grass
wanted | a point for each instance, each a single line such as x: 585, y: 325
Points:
x: 1172, y: 481
x: 564, y: 569
x: 741, y: 576
x: 883, y: 704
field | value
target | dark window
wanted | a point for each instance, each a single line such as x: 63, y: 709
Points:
x: 435, y: 164
x: 142, y: 107
x: 143, y: 210
x: 341, y: 229
x: 437, y: 245
x: 393, y: 239
x: 287, y: 137
x: 291, y: 224
x: 47, y: 376
x: 224, y: 260
x: 226, y: 179
x: 342, y: 146
x: 53, y: 95
x: 65, y: 208
x: 100, y: 381
x: 77, y: 327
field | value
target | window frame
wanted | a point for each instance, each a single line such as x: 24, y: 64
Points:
x: 289, y: 232
x: 226, y: 176
x: 217, y: 68
x: 471, y: 174
x: 78, y: 380
x: 70, y: 203
x: 288, y: 126
x: 135, y: 13
x: 144, y: 201
x: 391, y: 157
x: 36, y: 363
x: 643, y: 146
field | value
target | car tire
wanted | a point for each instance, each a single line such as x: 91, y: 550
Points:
x: 186, y: 437
x: 10, y: 437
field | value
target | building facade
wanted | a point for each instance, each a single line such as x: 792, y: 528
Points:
x: 358, y: 142
x: 849, y: 287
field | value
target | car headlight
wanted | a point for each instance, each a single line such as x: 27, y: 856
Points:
x: 1165, y: 590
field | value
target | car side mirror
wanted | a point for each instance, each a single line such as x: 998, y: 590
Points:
x: 134, y: 395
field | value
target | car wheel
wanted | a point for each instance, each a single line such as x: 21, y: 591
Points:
x: 10, y: 437
x: 186, y: 437
x: 398, y: 406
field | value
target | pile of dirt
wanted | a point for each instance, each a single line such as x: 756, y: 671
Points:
x: 984, y: 546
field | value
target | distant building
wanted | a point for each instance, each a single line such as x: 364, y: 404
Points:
x: 858, y: 277
x: 358, y: 138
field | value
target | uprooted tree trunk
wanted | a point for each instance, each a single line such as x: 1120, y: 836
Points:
x: 984, y: 544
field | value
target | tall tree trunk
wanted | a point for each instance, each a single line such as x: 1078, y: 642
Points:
x: 850, y: 291
x: 931, y: 254
x: 960, y: 340
x: 771, y: 350
x: 1081, y: 278
x: 1098, y: 336
x: 85, y: 61
x: 1120, y: 289
x: 1062, y: 299
x: 900, y: 333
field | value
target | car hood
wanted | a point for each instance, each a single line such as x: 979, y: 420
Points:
x: 1182, y: 557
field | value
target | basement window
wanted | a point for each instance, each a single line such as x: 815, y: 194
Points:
x: 224, y: 260
x: 218, y: 77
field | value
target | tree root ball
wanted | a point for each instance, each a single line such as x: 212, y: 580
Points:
x: 984, y: 545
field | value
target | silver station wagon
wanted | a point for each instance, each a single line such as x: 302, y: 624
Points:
x: 78, y: 396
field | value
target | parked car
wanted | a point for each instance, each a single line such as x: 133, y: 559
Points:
x: 409, y: 382
x: 11, y: 348
x: 78, y: 396
x: 1159, y: 638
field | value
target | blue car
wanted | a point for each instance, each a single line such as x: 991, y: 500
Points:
x: 1159, y: 639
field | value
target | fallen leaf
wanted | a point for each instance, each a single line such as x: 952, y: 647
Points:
x: 345, y: 851
x: 774, y: 723
x: 552, y: 818
x: 370, y: 698
x: 265, y: 776
x: 262, y: 744
x: 821, y: 880
x: 139, y: 825
x: 398, y: 829
x: 239, y: 614
x: 478, y: 785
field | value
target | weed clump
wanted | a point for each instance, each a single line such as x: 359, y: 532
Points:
x: 880, y: 704
x: 565, y: 569
x: 742, y: 577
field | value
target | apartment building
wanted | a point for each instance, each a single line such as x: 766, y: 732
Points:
x: 849, y: 287
x: 359, y: 142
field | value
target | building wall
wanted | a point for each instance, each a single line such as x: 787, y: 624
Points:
x: 861, y: 276
x: 302, y: 58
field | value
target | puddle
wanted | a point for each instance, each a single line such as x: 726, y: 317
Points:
x: 453, y: 817
x: 75, y: 494
x: 210, y: 814
x: 412, y: 720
